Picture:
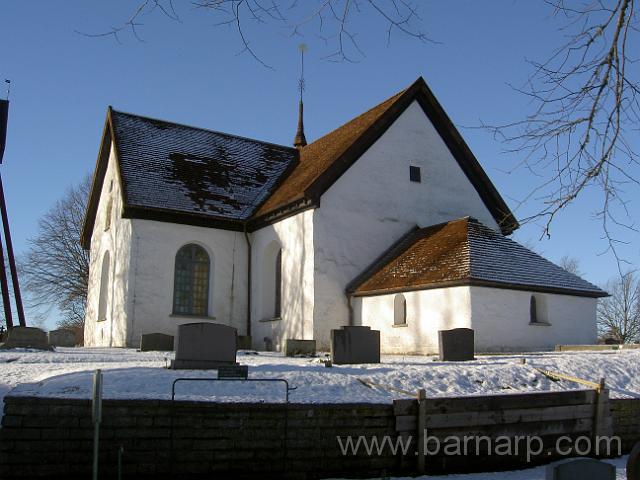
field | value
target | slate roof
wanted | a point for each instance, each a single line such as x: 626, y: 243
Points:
x: 196, y: 171
x: 465, y: 252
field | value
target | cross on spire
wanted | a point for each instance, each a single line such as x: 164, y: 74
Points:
x: 300, y: 140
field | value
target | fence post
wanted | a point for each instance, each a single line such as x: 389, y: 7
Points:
x: 602, y: 420
x: 96, y: 417
x: 422, y: 422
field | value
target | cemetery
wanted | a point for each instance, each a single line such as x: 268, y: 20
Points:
x: 210, y: 405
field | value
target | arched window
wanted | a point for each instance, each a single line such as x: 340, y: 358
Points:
x: 104, y: 288
x: 277, y: 310
x: 533, y: 310
x: 191, y: 281
x: 399, y: 310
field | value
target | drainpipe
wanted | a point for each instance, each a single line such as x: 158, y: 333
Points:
x: 351, y: 319
x: 246, y: 237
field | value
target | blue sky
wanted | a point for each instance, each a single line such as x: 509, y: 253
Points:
x: 190, y: 72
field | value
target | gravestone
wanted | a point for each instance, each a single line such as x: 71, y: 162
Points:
x: 205, y: 345
x: 581, y: 469
x: 63, y: 337
x: 244, y: 342
x: 294, y: 347
x: 633, y: 463
x: 355, y: 345
x: 26, y: 337
x: 156, y: 342
x: 456, y: 345
x: 268, y: 344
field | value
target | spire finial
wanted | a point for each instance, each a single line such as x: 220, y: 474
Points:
x: 300, y: 140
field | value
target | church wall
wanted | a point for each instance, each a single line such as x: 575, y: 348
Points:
x: 427, y: 311
x: 154, y: 247
x: 373, y: 204
x: 501, y: 319
x: 116, y: 240
x: 294, y: 235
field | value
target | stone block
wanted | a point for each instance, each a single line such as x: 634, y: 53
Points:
x: 63, y: 337
x: 456, y: 345
x: 204, y: 346
x: 581, y: 468
x: 156, y: 342
x: 633, y: 463
x: 353, y: 345
x: 293, y: 347
x: 244, y: 342
x: 26, y: 337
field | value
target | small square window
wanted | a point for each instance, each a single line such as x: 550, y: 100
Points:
x: 414, y: 174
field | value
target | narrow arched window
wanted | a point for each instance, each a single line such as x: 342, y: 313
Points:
x: 277, y: 310
x: 399, y: 310
x: 104, y: 288
x: 533, y: 310
x: 191, y: 281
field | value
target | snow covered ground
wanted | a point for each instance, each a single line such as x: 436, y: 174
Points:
x: 68, y: 372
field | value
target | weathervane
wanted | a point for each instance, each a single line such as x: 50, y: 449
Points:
x: 300, y: 140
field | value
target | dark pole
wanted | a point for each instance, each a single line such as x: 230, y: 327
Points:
x: 5, y: 291
x: 12, y: 260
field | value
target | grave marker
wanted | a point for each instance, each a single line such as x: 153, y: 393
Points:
x: 582, y: 469
x: 26, y: 337
x: 156, y: 342
x: 205, y: 346
x: 355, y: 344
x: 456, y: 345
x: 63, y: 337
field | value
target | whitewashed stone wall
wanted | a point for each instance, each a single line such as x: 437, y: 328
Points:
x: 374, y: 203
x: 154, y: 246
x: 294, y: 235
x: 427, y: 312
x: 117, y: 241
x: 500, y: 318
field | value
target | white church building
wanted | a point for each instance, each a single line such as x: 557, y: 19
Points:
x: 388, y: 221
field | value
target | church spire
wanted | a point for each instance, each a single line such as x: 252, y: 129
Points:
x: 300, y: 140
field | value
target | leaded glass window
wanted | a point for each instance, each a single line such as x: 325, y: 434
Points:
x: 191, y: 281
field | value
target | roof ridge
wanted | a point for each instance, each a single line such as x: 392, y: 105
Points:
x: 193, y: 127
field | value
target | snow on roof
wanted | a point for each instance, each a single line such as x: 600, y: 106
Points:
x: 464, y: 251
x: 186, y: 169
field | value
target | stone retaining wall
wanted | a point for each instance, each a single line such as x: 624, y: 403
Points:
x: 53, y: 438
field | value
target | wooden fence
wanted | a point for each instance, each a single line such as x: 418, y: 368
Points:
x: 481, y: 424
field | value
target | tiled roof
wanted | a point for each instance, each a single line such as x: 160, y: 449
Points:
x: 321, y: 154
x: 464, y: 251
x: 195, y: 171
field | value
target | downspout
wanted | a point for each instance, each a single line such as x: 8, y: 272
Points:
x: 246, y: 237
x: 351, y: 319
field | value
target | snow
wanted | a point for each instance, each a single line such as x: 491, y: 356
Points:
x: 537, y: 473
x: 128, y: 374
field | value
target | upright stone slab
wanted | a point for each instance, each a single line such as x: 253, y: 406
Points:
x: 156, y: 342
x: 294, y: 347
x: 352, y: 345
x: 244, y: 342
x: 633, y: 463
x: 456, y: 345
x: 26, y: 337
x: 581, y: 469
x: 205, y: 346
x: 63, y: 337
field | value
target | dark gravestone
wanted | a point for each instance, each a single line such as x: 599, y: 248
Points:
x: 63, y: 337
x: 205, y: 345
x: 26, y: 337
x: 233, y: 371
x: 299, y: 347
x: 581, y: 469
x: 156, y: 342
x: 456, y: 345
x: 633, y: 463
x: 355, y: 345
x: 244, y: 342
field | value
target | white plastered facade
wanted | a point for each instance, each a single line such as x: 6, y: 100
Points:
x: 364, y: 212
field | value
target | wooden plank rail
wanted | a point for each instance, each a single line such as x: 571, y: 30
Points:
x: 547, y: 415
